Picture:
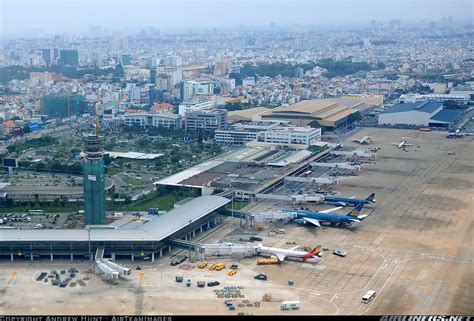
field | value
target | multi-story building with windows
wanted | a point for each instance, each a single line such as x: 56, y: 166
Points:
x: 170, y: 121
x: 205, y: 120
x: 194, y: 105
x: 290, y: 135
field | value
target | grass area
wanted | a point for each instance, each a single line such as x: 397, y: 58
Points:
x: 164, y: 203
x: 135, y: 182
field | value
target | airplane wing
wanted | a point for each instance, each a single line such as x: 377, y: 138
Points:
x: 331, y: 209
x: 396, y: 144
x: 312, y: 221
x: 294, y: 248
x: 407, y: 144
x: 280, y: 257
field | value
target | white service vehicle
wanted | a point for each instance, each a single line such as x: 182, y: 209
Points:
x: 290, y: 305
x: 368, y: 296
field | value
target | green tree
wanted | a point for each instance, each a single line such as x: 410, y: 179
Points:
x: 237, y: 77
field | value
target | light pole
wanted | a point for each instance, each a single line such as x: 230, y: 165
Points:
x: 89, y: 238
x: 232, y: 207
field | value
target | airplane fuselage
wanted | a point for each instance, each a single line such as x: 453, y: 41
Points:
x: 326, y: 217
x: 336, y: 199
x: 285, y: 252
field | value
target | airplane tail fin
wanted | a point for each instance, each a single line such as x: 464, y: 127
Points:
x: 314, y: 252
x: 356, y: 210
x: 371, y: 198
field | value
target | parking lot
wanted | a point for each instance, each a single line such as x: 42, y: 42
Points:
x: 415, y: 250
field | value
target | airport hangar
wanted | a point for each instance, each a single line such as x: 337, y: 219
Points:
x: 132, y: 241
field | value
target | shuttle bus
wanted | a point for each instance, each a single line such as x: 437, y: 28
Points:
x: 368, y: 296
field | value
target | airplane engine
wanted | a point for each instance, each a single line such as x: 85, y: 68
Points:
x: 300, y: 221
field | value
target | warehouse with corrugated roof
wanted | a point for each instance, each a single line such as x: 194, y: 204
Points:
x: 328, y: 113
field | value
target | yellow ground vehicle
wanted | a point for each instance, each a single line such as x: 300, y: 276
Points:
x: 216, y: 267
x: 263, y: 261
x: 202, y: 265
x: 219, y: 267
x: 232, y: 272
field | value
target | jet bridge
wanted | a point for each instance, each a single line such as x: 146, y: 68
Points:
x: 106, y: 271
x: 337, y: 165
x: 318, y: 180
x: 277, y: 215
x: 219, y: 249
x: 275, y: 197
x: 358, y: 153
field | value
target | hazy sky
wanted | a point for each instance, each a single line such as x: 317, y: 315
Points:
x: 17, y: 16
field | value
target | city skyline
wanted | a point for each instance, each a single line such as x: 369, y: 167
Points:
x: 72, y: 16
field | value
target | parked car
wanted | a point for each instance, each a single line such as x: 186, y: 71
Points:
x: 339, y: 252
x: 261, y: 276
x: 213, y: 283
x: 255, y: 238
x: 234, y: 266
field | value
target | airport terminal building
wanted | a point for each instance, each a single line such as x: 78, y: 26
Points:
x: 140, y: 240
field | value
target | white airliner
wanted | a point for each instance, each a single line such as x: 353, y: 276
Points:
x: 364, y: 141
x: 281, y: 254
x: 403, y: 143
x: 456, y: 134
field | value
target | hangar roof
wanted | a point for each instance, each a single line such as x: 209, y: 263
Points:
x: 425, y: 107
x: 446, y: 115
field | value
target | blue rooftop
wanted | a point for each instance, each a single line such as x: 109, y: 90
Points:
x: 446, y: 115
x: 425, y: 107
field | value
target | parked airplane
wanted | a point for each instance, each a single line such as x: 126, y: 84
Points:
x: 317, y: 217
x: 364, y: 141
x: 281, y: 254
x: 403, y: 143
x: 343, y: 201
x: 456, y: 134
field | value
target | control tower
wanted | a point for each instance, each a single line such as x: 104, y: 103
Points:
x: 94, y: 180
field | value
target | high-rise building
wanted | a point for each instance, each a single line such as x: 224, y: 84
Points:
x: 119, y: 43
x: 69, y: 58
x: 299, y: 72
x: 173, y: 61
x: 220, y: 67
x: 176, y: 74
x: 205, y: 120
x: 46, y: 55
x: 59, y: 106
x: 152, y: 76
x: 164, y: 82
x: 126, y: 59
x: 190, y: 88
x: 94, y: 180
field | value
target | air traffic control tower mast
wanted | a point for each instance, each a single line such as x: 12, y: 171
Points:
x: 94, y: 179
